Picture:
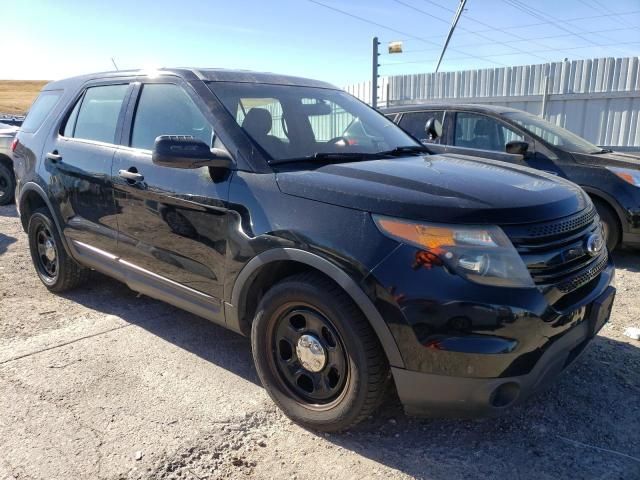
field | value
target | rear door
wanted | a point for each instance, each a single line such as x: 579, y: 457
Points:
x: 414, y: 123
x: 78, y: 156
x: 484, y: 136
x: 172, y: 222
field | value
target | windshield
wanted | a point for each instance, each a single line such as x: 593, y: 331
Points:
x: 553, y: 134
x: 298, y: 123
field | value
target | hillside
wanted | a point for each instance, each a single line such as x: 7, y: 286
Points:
x: 17, y: 95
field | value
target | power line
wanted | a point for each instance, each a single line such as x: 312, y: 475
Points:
x: 464, y: 29
x: 514, y: 53
x: 380, y: 25
x: 541, y: 15
x: 565, y: 20
x: 599, y: 7
x: 633, y: 27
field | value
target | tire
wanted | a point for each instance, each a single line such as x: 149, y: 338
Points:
x: 310, y: 305
x: 55, y: 268
x: 7, y: 184
x: 610, y: 224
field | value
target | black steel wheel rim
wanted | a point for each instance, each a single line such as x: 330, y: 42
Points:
x: 47, y: 251
x: 321, y: 387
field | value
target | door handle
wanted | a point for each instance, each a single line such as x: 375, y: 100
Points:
x: 131, y: 176
x: 54, y: 156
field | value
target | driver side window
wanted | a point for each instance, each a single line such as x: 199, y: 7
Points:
x: 481, y: 132
x: 166, y: 109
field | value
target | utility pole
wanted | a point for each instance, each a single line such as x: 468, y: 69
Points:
x: 374, y: 73
x: 456, y: 17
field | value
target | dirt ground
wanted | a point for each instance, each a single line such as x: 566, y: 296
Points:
x: 16, y: 96
x: 101, y: 384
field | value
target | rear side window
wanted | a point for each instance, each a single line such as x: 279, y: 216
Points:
x: 98, y: 113
x: 166, y: 109
x: 40, y: 109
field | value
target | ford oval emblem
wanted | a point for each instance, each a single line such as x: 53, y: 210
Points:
x: 594, y: 244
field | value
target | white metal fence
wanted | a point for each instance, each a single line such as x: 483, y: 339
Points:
x: 598, y: 99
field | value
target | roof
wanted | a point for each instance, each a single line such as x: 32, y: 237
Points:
x: 474, y: 107
x: 205, y: 74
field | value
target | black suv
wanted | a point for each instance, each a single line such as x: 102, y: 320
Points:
x: 612, y: 179
x: 353, y: 263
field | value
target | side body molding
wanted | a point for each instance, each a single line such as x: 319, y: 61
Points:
x: 332, y: 271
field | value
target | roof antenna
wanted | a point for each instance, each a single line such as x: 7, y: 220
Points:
x: 113, y: 60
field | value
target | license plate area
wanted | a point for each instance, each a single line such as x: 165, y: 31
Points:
x: 601, y: 311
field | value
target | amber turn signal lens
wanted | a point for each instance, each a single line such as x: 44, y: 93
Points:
x: 429, y: 237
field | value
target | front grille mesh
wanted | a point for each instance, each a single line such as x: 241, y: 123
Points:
x: 557, y: 228
x: 585, y: 277
x: 555, y: 252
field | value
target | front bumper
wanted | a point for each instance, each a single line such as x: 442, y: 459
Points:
x: 471, y: 350
x: 445, y: 396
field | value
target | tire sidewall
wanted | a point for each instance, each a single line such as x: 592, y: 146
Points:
x: 340, y: 412
x: 37, y: 219
x: 607, y: 217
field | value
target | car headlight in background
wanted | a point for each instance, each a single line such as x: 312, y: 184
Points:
x: 629, y: 175
x: 482, y: 254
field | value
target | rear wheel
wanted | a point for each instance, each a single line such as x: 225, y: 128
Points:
x: 316, y: 354
x: 610, y: 224
x: 57, y: 270
x: 7, y: 184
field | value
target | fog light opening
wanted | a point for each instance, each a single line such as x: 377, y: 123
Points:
x: 504, y: 395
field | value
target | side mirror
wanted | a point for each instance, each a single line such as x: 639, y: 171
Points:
x: 516, y: 147
x: 433, y: 128
x: 184, y: 151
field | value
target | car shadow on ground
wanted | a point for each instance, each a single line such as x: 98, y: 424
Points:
x: 196, y: 335
x: 585, y: 426
x: 627, y: 259
x: 8, y: 211
x: 5, y: 241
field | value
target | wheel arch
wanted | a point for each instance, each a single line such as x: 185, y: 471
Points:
x: 272, y: 265
x: 611, y: 202
x: 32, y: 197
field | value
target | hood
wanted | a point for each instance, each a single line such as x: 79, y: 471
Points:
x: 439, y: 188
x: 613, y: 159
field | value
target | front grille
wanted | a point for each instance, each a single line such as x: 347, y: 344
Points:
x: 572, y: 223
x: 555, y: 252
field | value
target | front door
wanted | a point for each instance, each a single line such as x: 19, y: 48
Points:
x: 172, y: 222
x: 79, y: 158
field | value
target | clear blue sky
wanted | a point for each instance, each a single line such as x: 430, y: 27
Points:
x: 51, y: 39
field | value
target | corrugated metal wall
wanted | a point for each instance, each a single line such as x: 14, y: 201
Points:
x: 598, y: 99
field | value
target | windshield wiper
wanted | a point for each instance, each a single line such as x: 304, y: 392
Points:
x: 417, y: 149
x: 323, y: 156
x: 602, y: 150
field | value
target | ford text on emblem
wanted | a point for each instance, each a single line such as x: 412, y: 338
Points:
x: 594, y: 244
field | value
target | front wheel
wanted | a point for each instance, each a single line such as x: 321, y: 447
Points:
x: 316, y: 354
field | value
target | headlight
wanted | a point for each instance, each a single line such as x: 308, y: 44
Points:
x: 482, y: 254
x: 629, y: 175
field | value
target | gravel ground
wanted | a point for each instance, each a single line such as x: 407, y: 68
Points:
x: 99, y: 383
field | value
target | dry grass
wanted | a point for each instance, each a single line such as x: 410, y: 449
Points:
x: 16, y: 96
